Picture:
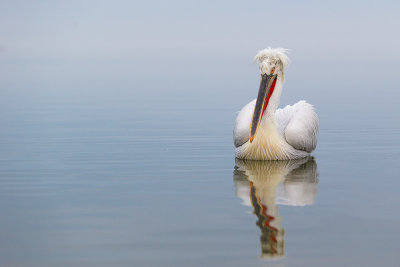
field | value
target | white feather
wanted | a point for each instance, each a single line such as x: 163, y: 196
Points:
x: 288, y: 133
x: 299, y: 125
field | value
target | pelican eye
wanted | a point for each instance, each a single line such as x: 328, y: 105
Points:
x: 272, y: 70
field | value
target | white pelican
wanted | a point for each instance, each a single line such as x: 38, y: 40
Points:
x: 264, y: 133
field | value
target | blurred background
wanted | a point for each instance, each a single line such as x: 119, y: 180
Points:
x: 128, y: 50
x: 116, y: 123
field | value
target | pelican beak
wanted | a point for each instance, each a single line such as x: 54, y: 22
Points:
x: 267, y: 85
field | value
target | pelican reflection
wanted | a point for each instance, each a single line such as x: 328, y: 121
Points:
x: 265, y: 184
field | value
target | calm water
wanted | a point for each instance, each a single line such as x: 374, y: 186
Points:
x: 148, y: 178
x: 116, y: 142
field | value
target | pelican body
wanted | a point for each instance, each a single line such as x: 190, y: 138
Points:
x: 264, y: 132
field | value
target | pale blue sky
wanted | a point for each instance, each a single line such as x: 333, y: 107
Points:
x: 161, y: 29
x: 175, y: 47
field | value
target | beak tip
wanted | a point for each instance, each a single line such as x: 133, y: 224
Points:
x: 251, y: 139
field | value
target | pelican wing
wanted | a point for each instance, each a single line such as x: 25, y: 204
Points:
x: 242, y: 125
x: 298, y: 124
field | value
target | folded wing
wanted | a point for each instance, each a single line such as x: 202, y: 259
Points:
x: 298, y: 124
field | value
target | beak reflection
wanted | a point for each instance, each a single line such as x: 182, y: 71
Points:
x: 266, y: 184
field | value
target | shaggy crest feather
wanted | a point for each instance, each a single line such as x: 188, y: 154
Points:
x: 273, y: 57
x: 272, y: 53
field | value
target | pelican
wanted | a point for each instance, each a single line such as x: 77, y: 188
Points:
x: 263, y: 132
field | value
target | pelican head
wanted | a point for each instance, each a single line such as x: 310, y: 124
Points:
x: 273, y: 62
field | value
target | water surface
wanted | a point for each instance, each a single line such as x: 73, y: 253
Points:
x: 94, y: 182
x: 116, y: 135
